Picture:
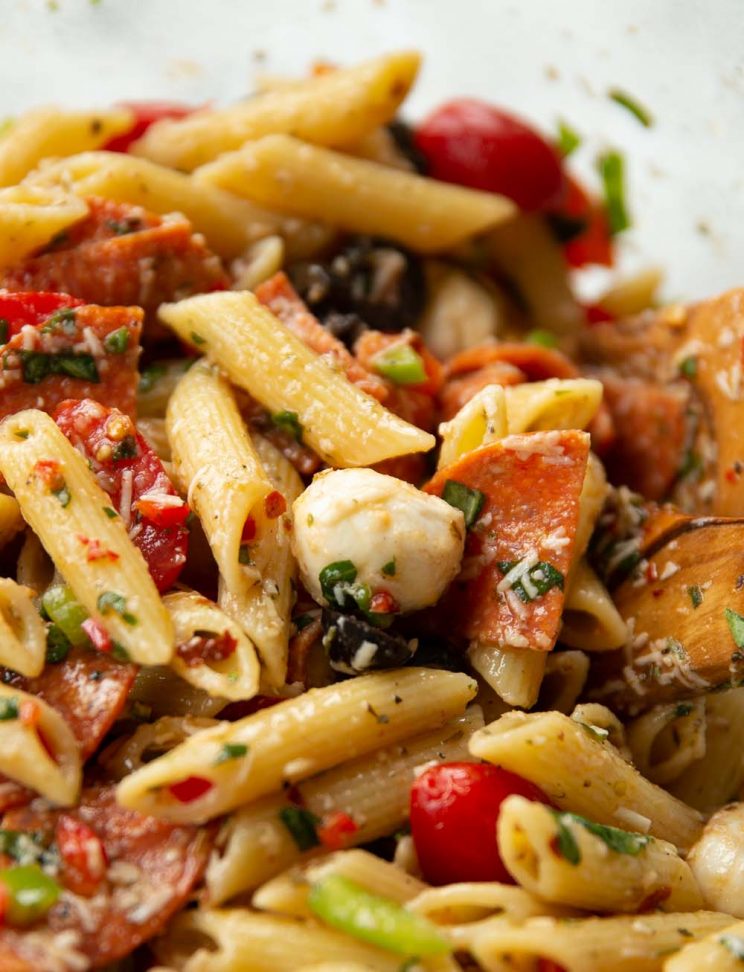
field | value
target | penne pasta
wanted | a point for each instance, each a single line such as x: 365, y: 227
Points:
x: 342, y: 424
x: 590, y: 619
x: 564, y: 680
x: 335, y: 108
x: 582, y: 773
x: 553, y: 404
x: 30, y: 216
x: 668, y: 739
x: 22, y: 632
x: 338, y: 723
x: 480, y: 422
x: 515, y: 674
x: 115, y: 589
x: 721, y: 951
x: 293, y: 177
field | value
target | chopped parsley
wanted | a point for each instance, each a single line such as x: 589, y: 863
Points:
x: 126, y: 449
x: 620, y: 841
x: 611, y: 168
x: 289, y: 422
x: 119, y: 652
x: 632, y: 105
x: 22, y: 846
x: 389, y: 568
x: 468, y: 501
x: 695, y: 594
x: 543, y: 577
x: 198, y: 339
x: 568, y: 138
x: 117, y: 341
x: 57, y: 645
x: 301, y: 825
x: 111, y: 601
x: 110, y: 513
x: 565, y: 842
x: 63, y: 320
x: 230, y: 751
x: 736, y: 626
x: 149, y: 376
x: 733, y: 944
x: 688, y: 367
x: 9, y: 709
x: 339, y: 572
x: 38, y: 365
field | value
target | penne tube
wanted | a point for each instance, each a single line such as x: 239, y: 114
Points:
x: 721, y: 951
x: 234, y: 677
x: 294, y: 740
x: 565, y: 859
x: 335, y: 108
x: 290, y: 176
x: 49, y: 764
x: 553, y: 404
x: 515, y: 674
x: 627, y: 943
x: 480, y: 422
x: 590, y: 619
x: 564, y: 680
x: 31, y: 215
x: 259, y: 354
x: 22, y: 632
x: 228, y: 223
x: 582, y: 773
x: 217, y: 465
x: 45, y: 133
x: 70, y: 508
x: 374, y: 790
x: 668, y: 739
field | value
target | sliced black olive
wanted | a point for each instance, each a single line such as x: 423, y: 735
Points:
x: 354, y: 646
x: 404, y: 141
x: 379, y: 282
x: 435, y: 651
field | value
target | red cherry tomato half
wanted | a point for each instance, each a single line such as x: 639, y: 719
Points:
x: 146, y: 113
x: 594, y: 244
x: 475, y: 144
x: 29, y: 307
x: 454, y: 810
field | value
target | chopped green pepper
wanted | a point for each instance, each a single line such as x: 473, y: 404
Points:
x: 401, y: 364
x: 31, y: 893
x: 67, y: 613
x: 346, y: 905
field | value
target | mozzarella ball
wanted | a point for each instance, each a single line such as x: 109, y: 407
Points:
x: 717, y: 861
x: 399, y: 539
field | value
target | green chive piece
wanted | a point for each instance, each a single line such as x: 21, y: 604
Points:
x: 62, y: 607
x: 31, y: 893
x: 611, y: 168
x: 110, y: 513
x: 568, y: 139
x: 468, y: 501
x: 57, y: 645
x: 230, y: 751
x: 543, y: 577
x: 301, y: 825
x: 198, y: 339
x: 632, y: 105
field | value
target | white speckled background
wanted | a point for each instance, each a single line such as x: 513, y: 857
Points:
x: 684, y: 59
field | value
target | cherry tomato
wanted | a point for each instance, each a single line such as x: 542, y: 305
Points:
x: 475, y: 144
x: 29, y: 307
x: 164, y: 511
x: 82, y: 855
x: 594, y: 244
x: 454, y: 810
x: 110, y: 442
x: 146, y: 113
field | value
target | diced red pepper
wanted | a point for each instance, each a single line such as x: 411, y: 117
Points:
x: 82, y: 854
x: 275, y: 504
x: 97, y: 634
x: 334, y: 830
x: 190, y: 789
x: 163, y: 514
x: 146, y: 113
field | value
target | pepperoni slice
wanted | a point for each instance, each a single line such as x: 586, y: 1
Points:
x: 152, y: 868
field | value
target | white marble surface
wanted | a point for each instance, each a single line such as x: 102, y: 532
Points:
x: 684, y: 59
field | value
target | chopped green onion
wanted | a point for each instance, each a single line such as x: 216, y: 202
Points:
x: 289, y: 422
x: 736, y: 626
x: 63, y: 320
x: 230, y: 751
x: 636, y: 109
x: 57, y: 645
x: 462, y: 497
x: 620, y: 841
x: 568, y: 139
x: 545, y: 339
x: 111, y: 601
x: 401, y: 365
x: 244, y: 554
x: 117, y: 341
x: 611, y: 168
x: 8, y: 709
x: 22, y: 846
x: 31, y: 893
x: 346, y: 905
x: 68, y: 614
x: 301, y: 825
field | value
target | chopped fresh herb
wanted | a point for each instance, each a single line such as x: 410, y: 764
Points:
x: 197, y: 338
x: 289, y: 422
x: 149, y: 376
x: 611, y: 168
x: 568, y: 138
x: 620, y: 841
x: 4, y: 330
x: 636, y: 109
x: 126, y: 449
x: 696, y: 595
x: 389, y: 568
x: 111, y: 601
x: 566, y: 228
x: 733, y: 944
x: 301, y: 824
x: 63, y: 320
x: 339, y: 572
x: 683, y: 709
x: 244, y: 554
x: 688, y: 367
x: 302, y: 621
x: 117, y: 341
x: 62, y: 494
x: 21, y: 433
x: 565, y: 842
x: 543, y: 577
x: 400, y: 364
x: 9, y: 709
x: 736, y: 626
x: 462, y: 497
x: 546, y: 339
x: 38, y: 365
x: 57, y: 644
x: 230, y: 751
x: 111, y: 514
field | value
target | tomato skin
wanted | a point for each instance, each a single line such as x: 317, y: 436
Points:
x: 475, y: 144
x: 454, y: 811
x: 31, y: 307
x: 146, y: 113
x: 594, y: 244
x: 86, y: 425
